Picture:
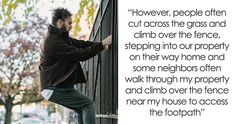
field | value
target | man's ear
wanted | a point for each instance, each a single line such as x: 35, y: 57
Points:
x: 59, y: 23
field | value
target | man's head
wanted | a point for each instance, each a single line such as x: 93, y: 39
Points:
x: 62, y: 19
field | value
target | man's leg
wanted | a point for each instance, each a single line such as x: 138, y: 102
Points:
x: 89, y: 114
x: 78, y: 102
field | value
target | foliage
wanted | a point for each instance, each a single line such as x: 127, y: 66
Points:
x: 91, y: 8
x: 8, y: 8
x: 19, y: 59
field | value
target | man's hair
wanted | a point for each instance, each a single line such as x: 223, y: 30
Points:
x: 60, y: 13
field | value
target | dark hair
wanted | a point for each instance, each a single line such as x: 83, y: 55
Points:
x: 60, y: 13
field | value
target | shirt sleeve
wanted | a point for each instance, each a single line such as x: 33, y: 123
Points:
x: 62, y: 50
x: 82, y: 43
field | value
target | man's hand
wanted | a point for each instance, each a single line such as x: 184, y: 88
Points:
x: 106, y: 42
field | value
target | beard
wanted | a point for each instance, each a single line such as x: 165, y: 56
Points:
x: 64, y: 28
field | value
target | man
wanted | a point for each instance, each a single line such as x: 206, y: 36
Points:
x: 60, y: 68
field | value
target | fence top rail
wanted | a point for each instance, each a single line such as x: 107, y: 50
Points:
x: 112, y: 116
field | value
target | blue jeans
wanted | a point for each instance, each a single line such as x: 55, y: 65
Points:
x: 73, y: 99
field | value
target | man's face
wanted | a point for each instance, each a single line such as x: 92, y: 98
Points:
x: 67, y: 24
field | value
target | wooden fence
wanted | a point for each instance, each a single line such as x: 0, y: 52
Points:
x: 102, y: 70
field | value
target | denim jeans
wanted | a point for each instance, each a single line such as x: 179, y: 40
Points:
x: 73, y: 99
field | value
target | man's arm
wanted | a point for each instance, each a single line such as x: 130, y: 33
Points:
x: 83, y: 44
x: 62, y: 50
